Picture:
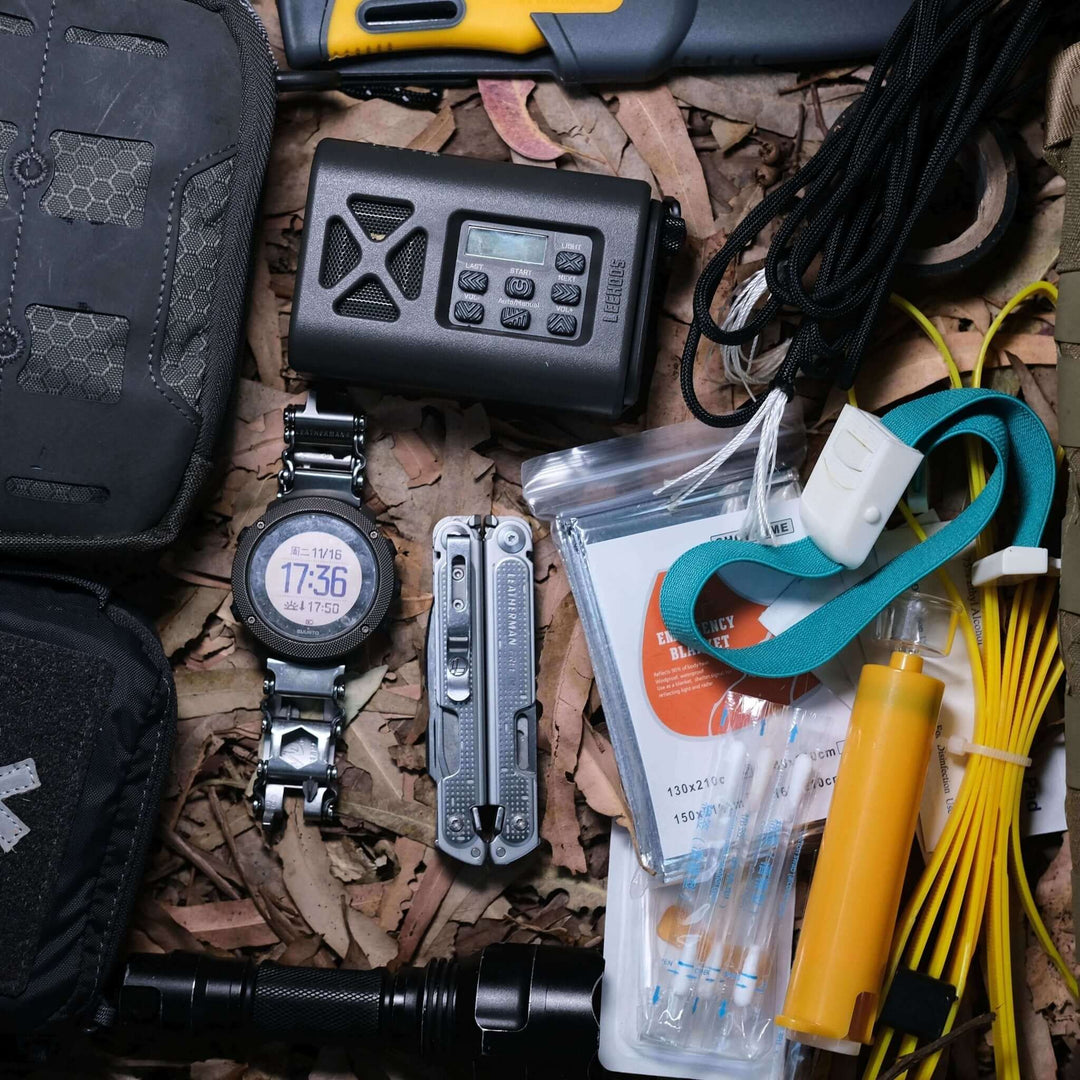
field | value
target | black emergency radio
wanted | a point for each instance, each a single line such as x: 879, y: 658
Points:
x: 478, y: 279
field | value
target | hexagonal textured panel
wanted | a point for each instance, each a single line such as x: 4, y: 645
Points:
x: 191, y: 299
x: 8, y: 134
x: 129, y: 43
x: 13, y: 24
x: 98, y: 179
x: 75, y: 354
x: 23, y: 487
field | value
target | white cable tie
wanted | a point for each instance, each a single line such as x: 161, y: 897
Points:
x: 958, y: 746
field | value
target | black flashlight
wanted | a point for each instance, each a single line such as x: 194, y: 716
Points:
x: 535, y: 1006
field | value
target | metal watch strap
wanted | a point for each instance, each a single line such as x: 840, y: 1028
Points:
x: 324, y: 452
x: 302, y: 721
x: 302, y: 716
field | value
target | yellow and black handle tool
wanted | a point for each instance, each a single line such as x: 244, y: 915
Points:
x: 577, y: 41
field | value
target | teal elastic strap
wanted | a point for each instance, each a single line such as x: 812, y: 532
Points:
x: 1018, y: 440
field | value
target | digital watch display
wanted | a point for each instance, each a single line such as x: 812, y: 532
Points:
x: 317, y: 578
x: 313, y: 579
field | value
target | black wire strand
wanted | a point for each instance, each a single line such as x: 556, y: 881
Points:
x: 853, y: 206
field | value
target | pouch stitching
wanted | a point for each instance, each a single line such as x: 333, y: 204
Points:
x: 110, y: 857
x: 33, y: 142
x: 127, y: 871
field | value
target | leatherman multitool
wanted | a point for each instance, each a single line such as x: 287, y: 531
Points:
x: 482, y: 686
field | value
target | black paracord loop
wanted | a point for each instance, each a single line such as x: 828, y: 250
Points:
x: 854, y: 204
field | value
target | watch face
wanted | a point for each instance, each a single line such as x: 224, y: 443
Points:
x: 312, y: 577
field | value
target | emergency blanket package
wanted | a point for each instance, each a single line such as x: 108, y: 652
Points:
x: 664, y: 702
x: 87, y: 722
x: 134, y: 136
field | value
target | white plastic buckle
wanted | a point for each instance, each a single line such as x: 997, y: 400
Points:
x: 1012, y: 565
x: 860, y: 477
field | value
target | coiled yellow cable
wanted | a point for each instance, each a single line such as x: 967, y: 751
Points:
x: 965, y: 884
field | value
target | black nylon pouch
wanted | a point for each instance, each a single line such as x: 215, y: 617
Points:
x: 134, y: 136
x: 87, y: 722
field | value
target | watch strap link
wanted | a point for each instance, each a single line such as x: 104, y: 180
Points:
x: 324, y: 452
x: 302, y: 721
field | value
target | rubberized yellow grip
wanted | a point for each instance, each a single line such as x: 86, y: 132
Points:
x: 833, y: 996
x: 489, y: 25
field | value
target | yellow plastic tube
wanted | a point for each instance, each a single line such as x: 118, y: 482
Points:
x: 833, y: 996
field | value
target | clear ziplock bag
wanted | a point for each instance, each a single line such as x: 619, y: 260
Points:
x: 617, y: 538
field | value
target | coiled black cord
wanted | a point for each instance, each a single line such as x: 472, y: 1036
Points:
x: 853, y: 205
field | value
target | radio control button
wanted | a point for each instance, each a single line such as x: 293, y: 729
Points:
x: 520, y: 288
x: 474, y: 281
x: 570, y: 295
x: 562, y: 325
x: 469, y: 311
x: 570, y: 262
x: 515, y: 318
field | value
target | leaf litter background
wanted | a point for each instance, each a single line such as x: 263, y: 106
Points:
x: 372, y: 891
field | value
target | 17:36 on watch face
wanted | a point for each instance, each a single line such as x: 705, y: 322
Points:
x: 312, y: 577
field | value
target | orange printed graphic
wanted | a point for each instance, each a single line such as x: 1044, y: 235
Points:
x: 686, y: 688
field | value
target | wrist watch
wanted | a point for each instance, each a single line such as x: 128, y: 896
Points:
x: 312, y: 580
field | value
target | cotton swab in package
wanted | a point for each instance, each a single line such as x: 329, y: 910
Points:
x: 712, y: 954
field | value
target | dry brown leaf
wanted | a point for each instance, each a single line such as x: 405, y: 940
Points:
x: 254, y: 400
x: 728, y: 133
x: 185, y: 621
x: 434, y: 885
x: 405, y: 817
x: 1030, y: 248
x: 1034, y: 396
x: 906, y: 366
x: 597, y: 777
x: 368, y: 744
x: 506, y: 101
x: 317, y: 894
x: 228, y: 924
x: 586, y: 125
x: 436, y: 135
x: 399, y: 892
x: 207, y: 693
x: 750, y: 97
x: 654, y: 123
x: 361, y: 688
x: 378, y: 947
x: 417, y: 459
x: 563, y: 689
x: 581, y: 892
x: 263, y: 332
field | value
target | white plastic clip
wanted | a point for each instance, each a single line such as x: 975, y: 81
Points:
x: 1012, y: 565
x: 860, y: 477
x: 958, y: 746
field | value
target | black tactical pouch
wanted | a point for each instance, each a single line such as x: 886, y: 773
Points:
x: 87, y: 720
x: 134, y: 136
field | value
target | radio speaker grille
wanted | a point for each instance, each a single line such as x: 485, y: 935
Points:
x: 379, y: 217
x: 406, y: 264
x: 341, y: 254
x: 368, y: 300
